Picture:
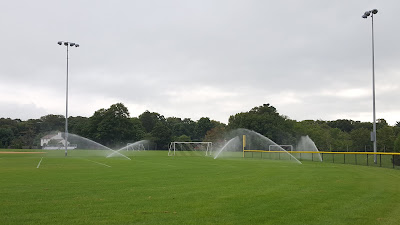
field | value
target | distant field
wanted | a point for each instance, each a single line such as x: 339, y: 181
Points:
x: 152, y: 188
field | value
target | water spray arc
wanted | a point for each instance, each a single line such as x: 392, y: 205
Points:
x: 305, y: 144
x: 230, y: 142
x: 118, y: 152
x: 245, y: 140
x: 95, y: 147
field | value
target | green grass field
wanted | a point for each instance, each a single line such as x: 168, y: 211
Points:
x: 153, y: 188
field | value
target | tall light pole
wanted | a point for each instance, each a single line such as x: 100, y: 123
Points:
x: 67, y: 44
x: 373, y: 134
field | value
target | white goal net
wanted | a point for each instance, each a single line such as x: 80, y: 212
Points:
x: 135, y: 147
x: 190, y: 148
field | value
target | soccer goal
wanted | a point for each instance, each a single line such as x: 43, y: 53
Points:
x: 135, y: 147
x: 190, y: 148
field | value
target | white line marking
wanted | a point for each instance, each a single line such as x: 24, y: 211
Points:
x: 97, y: 163
x: 39, y: 162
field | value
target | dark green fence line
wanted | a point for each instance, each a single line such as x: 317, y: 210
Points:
x: 386, y: 160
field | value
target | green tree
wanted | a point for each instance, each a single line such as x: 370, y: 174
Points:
x: 113, y: 127
x: 361, y: 139
x: 162, y: 135
x: 397, y: 144
x: 216, y: 134
x: 318, y: 131
x: 77, y: 125
x: 343, y: 125
x: 91, y: 129
x: 380, y: 123
x: 396, y: 148
x: 385, y: 139
x: 339, y: 140
x: 266, y: 121
x: 16, y: 143
x: 203, y: 125
x: 32, y: 133
x: 176, y: 126
x: 366, y: 125
x: 182, y: 138
x: 188, y: 127
x: 52, y: 123
x: 6, y: 137
x: 138, y: 131
x: 150, y: 119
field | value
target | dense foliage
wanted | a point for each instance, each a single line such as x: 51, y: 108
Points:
x: 114, y: 127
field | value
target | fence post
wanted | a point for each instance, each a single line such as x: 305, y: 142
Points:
x: 333, y: 157
x: 380, y: 160
x: 393, y: 160
x: 344, y: 158
x: 356, y: 158
x: 367, y: 159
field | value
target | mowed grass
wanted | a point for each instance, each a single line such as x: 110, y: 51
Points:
x: 153, y: 188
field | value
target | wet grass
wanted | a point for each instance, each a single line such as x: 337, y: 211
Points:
x: 153, y: 188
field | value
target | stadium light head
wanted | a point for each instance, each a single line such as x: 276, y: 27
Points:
x: 368, y: 13
x: 68, y: 43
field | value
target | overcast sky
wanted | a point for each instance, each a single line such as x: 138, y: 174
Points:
x: 310, y: 59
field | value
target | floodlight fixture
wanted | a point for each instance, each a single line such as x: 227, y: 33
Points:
x: 369, y: 13
x: 68, y: 44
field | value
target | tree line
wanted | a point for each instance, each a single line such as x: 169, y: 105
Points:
x: 113, y: 127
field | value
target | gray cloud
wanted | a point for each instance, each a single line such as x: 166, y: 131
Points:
x: 310, y: 59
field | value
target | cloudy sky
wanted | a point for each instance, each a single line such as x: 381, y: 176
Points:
x: 310, y: 59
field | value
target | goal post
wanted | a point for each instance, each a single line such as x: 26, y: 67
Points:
x: 190, y: 146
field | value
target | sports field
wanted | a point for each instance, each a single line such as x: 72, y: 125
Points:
x: 152, y: 188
